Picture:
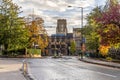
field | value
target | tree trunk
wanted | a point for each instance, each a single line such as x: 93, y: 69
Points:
x: 26, y: 52
x: 5, y: 49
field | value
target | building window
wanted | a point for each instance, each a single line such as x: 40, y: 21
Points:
x: 63, y: 46
x: 62, y: 40
x: 58, y: 39
x: 52, y: 40
x: 58, y: 46
x: 52, y: 46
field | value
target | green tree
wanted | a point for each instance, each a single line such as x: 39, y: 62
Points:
x: 13, y: 34
x: 90, y: 30
x: 72, y: 47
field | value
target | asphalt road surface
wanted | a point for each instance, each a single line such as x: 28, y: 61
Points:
x: 70, y: 68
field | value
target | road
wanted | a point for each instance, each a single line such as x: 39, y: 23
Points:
x: 70, y: 68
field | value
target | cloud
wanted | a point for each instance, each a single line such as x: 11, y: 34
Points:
x: 51, y: 10
x: 51, y: 4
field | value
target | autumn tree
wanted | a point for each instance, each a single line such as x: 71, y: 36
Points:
x: 13, y: 34
x: 38, y: 36
x: 103, y: 27
x: 109, y: 26
x: 109, y: 30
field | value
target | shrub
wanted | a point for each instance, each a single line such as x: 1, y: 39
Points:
x: 108, y: 58
x: 34, y: 51
x: 114, y: 53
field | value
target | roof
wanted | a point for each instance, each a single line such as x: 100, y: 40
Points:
x: 58, y: 35
x: 69, y: 35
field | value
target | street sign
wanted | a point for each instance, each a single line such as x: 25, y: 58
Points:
x: 83, y: 40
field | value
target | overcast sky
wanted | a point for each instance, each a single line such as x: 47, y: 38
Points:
x: 51, y: 10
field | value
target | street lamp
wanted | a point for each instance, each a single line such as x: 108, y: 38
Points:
x: 81, y: 15
x: 55, y: 52
x: 83, y: 39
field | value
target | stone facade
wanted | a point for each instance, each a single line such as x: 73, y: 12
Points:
x: 61, y: 27
x: 59, y: 42
x: 77, y: 37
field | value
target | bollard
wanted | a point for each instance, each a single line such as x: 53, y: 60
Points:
x: 24, y: 67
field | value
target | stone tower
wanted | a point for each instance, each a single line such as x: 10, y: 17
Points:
x: 61, y: 27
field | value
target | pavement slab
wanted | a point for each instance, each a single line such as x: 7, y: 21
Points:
x: 10, y: 70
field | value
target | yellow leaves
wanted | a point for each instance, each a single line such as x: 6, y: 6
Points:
x: 104, y: 50
x: 38, y: 33
x: 110, y: 34
x: 93, y: 22
x: 43, y: 42
x: 111, y: 27
x: 34, y: 29
x: 113, y: 2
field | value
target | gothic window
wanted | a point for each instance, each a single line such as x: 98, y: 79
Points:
x: 52, y: 46
x: 63, y: 46
x: 52, y: 40
x: 58, y: 39
x: 58, y: 46
x: 62, y: 40
x: 62, y: 28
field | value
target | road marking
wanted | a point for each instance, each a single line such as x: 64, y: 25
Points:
x: 72, y: 67
x: 106, y: 74
x: 67, y: 65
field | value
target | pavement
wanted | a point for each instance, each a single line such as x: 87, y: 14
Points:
x: 99, y: 62
x: 10, y: 69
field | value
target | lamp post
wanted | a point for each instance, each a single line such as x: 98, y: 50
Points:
x: 83, y: 39
x: 55, y: 52
x: 81, y: 15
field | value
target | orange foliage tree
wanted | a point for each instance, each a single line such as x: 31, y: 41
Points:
x: 109, y: 30
x: 38, y: 35
x: 110, y: 21
x: 104, y: 50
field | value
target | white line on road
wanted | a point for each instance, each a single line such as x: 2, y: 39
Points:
x: 106, y: 74
x: 91, y: 70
